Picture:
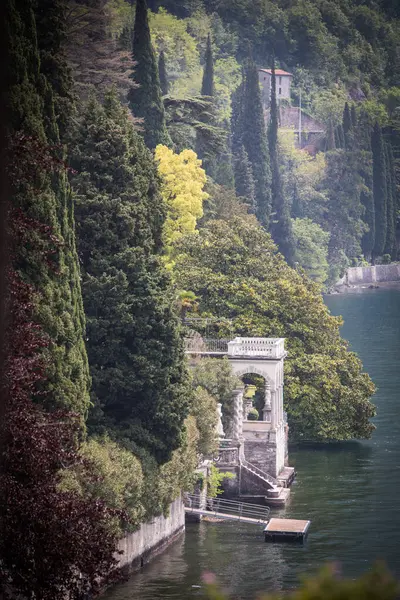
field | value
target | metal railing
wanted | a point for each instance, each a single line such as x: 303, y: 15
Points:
x: 199, y: 345
x: 221, y: 506
x: 250, y: 467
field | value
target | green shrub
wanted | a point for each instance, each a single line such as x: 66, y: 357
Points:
x: 119, y: 483
x: 377, y: 584
x: 215, y: 479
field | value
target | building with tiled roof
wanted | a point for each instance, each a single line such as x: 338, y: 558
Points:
x: 283, y: 82
x: 308, y: 131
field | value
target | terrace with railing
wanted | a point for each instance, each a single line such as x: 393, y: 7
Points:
x: 238, y: 347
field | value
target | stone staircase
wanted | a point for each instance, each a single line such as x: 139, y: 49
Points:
x: 276, y: 494
x: 273, y: 488
x: 272, y: 482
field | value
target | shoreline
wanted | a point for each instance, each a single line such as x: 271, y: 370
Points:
x: 362, y: 287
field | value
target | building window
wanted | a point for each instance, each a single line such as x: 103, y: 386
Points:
x: 280, y: 80
x: 265, y: 78
x: 280, y: 91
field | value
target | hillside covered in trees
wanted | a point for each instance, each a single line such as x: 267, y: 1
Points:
x: 147, y: 183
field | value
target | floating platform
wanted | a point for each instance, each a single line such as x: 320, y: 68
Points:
x: 286, y: 530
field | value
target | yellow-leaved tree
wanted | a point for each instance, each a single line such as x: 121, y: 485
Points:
x: 182, y: 188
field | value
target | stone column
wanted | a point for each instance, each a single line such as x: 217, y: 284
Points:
x: 237, y: 425
x: 267, y: 403
x: 274, y: 409
x: 280, y: 406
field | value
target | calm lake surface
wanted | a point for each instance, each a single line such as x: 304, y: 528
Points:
x: 350, y: 491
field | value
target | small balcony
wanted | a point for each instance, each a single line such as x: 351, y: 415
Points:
x: 262, y: 347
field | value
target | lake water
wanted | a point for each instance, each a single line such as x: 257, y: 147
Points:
x: 350, y: 491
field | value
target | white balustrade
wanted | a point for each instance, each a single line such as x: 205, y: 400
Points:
x: 263, y: 347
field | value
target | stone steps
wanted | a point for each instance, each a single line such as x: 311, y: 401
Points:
x: 273, y: 483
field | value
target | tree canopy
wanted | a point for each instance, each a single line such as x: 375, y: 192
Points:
x: 234, y: 269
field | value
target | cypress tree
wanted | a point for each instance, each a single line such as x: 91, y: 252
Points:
x: 41, y: 548
x: 339, y: 137
x: 364, y: 132
x: 391, y: 203
x: 347, y: 127
x: 379, y: 190
x: 244, y: 179
x: 281, y: 224
x: 330, y: 137
x: 367, y: 200
x: 207, y: 86
x: 248, y: 129
x: 162, y: 71
x: 51, y: 19
x: 145, y: 101
x: 208, y: 117
x: 237, y: 117
x: 135, y: 351
x: 354, y: 120
x: 59, y: 302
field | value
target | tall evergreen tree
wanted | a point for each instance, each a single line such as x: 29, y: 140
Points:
x: 379, y: 190
x: 237, y: 116
x: 208, y: 117
x: 280, y: 223
x: 145, y: 101
x: 134, y: 347
x: 367, y: 200
x: 354, y: 120
x: 330, y: 137
x: 248, y: 129
x: 339, y: 136
x: 33, y: 125
x: 347, y: 127
x: 53, y: 544
x: 391, y: 215
x: 244, y: 179
x: 207, y: 86
x: 162, y: 71
x: 344, y: 211
x: 51, y: 18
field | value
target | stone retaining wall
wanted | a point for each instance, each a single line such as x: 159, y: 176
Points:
x: 376, y: 274
x: 152, y: 537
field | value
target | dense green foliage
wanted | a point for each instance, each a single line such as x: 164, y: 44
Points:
x: 391, y: 203
x: 311, y: 248
x: 235, y: 271
x: 379, y: 189
x: 244, y: 179
x: 281, y: 224
x: 248, y: 130
x: 135, y: 353
x: 347, y: 82
x: 207, y: 86
x: 328, y: 584
x: 44, y: 195
x: 145, y: 99
x: 149, y: 421
x: 162, y: 71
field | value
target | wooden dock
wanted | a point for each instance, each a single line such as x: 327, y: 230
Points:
x: 286, y: 530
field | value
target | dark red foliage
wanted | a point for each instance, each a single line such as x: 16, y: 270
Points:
x: 30, y: 153
x: 53, y: 544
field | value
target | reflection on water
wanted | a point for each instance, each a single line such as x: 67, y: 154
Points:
x: 349, y: 490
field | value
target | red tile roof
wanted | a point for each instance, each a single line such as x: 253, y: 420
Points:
x: 277, y: 72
